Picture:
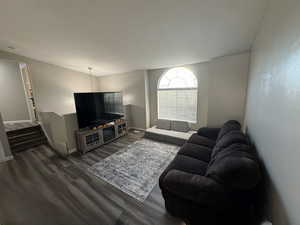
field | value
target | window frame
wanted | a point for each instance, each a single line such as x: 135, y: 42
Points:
x: 184, y: 88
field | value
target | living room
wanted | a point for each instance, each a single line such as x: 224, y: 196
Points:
x: 149, y: 112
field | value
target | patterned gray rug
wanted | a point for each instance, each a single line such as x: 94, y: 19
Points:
x: 135, y: 169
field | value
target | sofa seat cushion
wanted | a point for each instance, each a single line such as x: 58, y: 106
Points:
x: 200, y: 140
x: 196, y: 151
x: 195, y: 188
x: 186, y: 164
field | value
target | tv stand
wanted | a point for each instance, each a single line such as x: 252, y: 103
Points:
x: 90, y: 139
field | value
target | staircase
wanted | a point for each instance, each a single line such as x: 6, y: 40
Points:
x: 25, y: 138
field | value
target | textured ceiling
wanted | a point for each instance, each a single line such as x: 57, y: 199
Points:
x: 115, y: 36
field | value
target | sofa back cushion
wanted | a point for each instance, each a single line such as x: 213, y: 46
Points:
x: 236, y: 167
x: 228, y: 127
x: 232, y: 137
x: 164, y: 124
x: 180, y: 126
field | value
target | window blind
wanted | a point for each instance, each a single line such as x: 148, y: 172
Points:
x: 177, y: 104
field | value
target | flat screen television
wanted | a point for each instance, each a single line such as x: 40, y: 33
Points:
x: 96, y: 108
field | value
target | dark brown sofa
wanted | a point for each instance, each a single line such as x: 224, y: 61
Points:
x: 213, y: 177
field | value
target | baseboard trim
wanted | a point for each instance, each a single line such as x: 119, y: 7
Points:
x: 136, y: 128
x: 17, y: 121
x: 72, y: 150
x: 7, y: 158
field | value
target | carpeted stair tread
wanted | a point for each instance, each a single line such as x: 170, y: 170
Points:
x: 24, y: 130
x: 28, y: 141
x: 25, y: 138
x: 28, y: 146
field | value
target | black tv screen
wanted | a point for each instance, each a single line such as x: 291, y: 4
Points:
x: 96, y: 108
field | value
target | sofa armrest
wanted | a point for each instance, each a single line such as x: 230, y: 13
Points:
x: 211, y: 133
x: 199, y: 189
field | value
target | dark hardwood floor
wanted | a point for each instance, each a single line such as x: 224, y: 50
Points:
x: 40, y: 188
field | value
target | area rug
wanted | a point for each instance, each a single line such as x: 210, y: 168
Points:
x: 135, y: 169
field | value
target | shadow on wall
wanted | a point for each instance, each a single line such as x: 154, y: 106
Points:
x: 135, y: 116
x: 54, y: 127
x: 138, y: 117
x: 273, y: 207
x: 269, y: 204
x: 127, y: 114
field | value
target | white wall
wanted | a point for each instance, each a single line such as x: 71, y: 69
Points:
x: 12, y: 99
x: 53, y: 85
x: 222, y: 89
x: 60, y: 131
x: 273, y: 107
x: 5, y: 152
x: 132, y: 86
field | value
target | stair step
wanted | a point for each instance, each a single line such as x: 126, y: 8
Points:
x: 28, y: 141
x: 24, y: 135
x: 21, y: 148
x: 24, y: 131
x: 25, y: 138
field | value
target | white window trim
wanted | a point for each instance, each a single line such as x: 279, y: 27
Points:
x: 166, y: 89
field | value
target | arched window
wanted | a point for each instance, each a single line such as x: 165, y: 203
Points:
x: 177, y: 95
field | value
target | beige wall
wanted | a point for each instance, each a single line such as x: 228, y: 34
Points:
x: 222, y: 89
x: 273, y: 108
x: 132, y: 86
x: 228, y: 88
x: 53, y: 85
x: 12, y: 98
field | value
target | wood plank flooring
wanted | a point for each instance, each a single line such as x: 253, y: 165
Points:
x: 40, y: 188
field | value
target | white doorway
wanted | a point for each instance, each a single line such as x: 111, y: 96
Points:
x: 28, y: 92
x: 13, y: 102
x: 17, y: 99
